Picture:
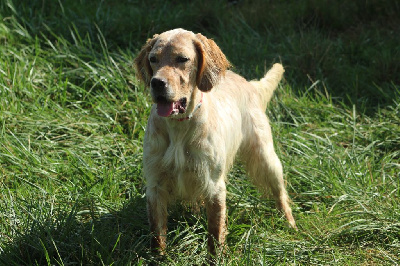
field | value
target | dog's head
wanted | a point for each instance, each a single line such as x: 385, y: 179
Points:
x: 176, y: 63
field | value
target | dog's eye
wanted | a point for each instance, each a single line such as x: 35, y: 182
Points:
x: 153, y: 59
x: 182, y: 59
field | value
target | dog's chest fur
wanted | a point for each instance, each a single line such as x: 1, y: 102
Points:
x: 180, y: 160
x: 187, y: 157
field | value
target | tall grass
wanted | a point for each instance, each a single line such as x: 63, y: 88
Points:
x: 72, y: 118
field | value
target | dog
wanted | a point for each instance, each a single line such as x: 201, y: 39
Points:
x: 202, y: 117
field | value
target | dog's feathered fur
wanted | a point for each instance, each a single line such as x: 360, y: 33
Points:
x: 190, y: 158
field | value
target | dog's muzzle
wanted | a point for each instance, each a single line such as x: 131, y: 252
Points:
x: 165, y: 106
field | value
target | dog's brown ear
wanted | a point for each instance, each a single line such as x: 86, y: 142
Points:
x: 212, y: 63
x: 142, y: 64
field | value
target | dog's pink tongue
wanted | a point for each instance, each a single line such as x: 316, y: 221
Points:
x: 165, y: 109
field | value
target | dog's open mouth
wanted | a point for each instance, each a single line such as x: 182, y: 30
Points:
x: 166, y: 108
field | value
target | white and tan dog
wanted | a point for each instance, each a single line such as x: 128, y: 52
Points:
x: 203, y: 116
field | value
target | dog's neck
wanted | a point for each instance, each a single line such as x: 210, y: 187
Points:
x: 192, y: 113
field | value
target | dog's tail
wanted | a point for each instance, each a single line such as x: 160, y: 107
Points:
x: 267, y: 85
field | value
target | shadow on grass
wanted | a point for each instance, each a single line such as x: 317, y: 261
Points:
x: 116, y: 236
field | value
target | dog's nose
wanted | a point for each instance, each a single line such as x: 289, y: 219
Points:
x: 158, y: 84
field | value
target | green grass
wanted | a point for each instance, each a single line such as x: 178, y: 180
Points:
x: 72, y: 118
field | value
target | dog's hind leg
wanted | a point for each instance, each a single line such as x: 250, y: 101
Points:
x: 263, y: 165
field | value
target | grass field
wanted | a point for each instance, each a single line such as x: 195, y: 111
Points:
x: 72, y: 118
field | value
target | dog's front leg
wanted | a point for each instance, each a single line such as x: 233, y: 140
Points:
x: 216, y: 216
x: 157, y: 213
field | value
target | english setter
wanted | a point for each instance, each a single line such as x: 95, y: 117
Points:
x: 202, y: 117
